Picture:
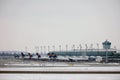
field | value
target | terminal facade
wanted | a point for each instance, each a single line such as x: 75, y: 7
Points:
x: 106, y: 54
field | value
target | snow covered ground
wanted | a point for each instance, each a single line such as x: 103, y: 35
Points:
x: 38, y: 66
x: 46, y: 63
x: 37, y: 69
x: 64, y: 76
x: 59, y: 76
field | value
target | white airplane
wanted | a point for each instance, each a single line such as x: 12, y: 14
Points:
x: 62, y: 58
x: 51, y: 56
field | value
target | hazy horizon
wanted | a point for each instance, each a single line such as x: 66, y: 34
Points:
x: 58, y: 22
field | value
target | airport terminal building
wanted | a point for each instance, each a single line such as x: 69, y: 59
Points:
x: 89, y: 52
x: 105, y: 54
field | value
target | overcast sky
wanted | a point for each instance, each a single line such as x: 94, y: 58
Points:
x: 58, y: 22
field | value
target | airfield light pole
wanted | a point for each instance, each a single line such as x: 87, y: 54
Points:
x: 77, y: 50
x: 80, y: 48
x: 91, y: 47
x: 48, y: 49
x: 41, y: 49
x: 66, y: 47
x: 44, y: 49
x: 74, y: 48
x: 115, y: 48
x: 37, y: 49
x: 86, y: 49
x: 53, y: 47
x: 98, y: 48
x: 26, y: 49
x: 60, y: 47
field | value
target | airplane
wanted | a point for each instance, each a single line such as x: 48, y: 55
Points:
x: 49, y: 57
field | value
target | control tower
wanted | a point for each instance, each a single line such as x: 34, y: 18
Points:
x: 106, y: 44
